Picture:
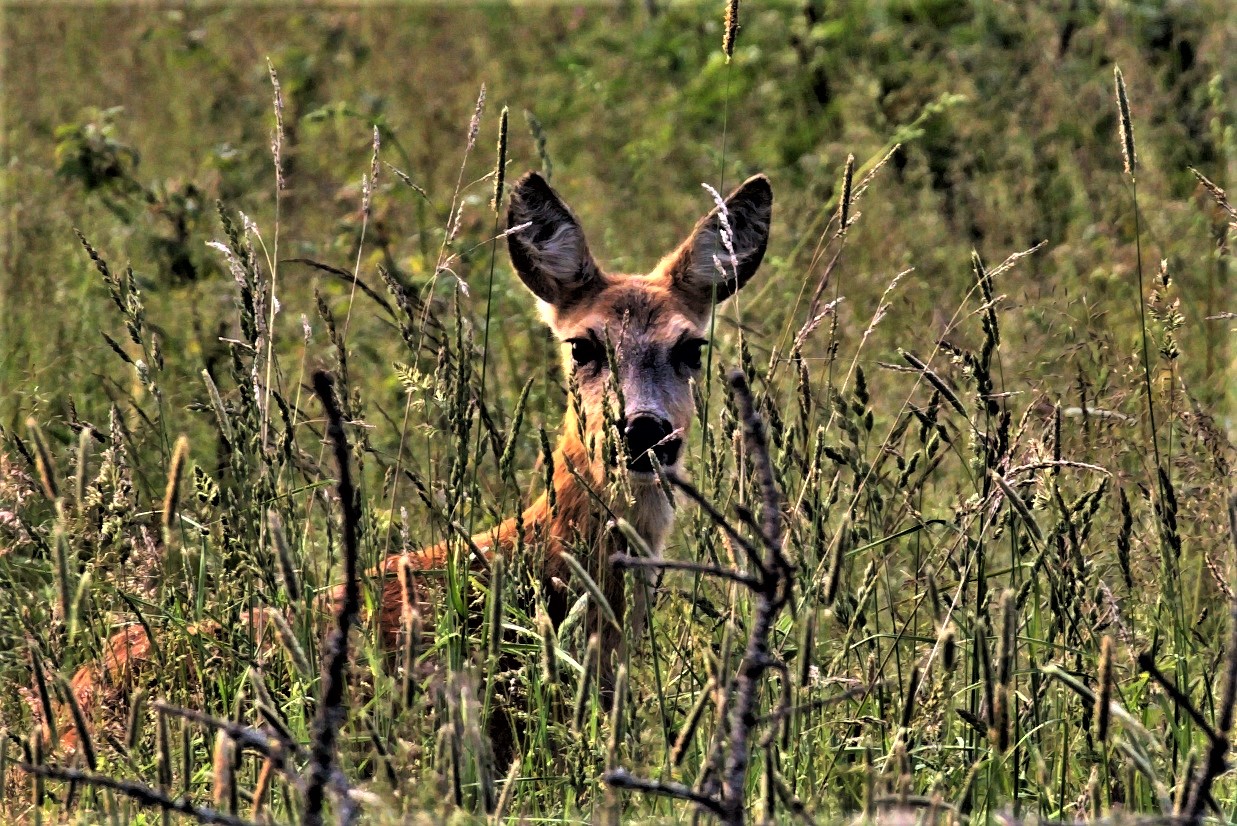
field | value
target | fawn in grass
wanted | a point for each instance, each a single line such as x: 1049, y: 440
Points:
x: 632, y: 348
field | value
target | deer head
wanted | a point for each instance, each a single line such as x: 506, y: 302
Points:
x: 637, y: 337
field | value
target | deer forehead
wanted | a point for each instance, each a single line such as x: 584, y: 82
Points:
x: 629, y: 309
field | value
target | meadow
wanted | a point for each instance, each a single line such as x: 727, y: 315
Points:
x: 990, y: 349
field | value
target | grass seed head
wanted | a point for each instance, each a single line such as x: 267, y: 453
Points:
x: 547, y: 454
x: 287, y: 565
x: 848, y: 184
x: 731, y: 27
x: 496, y: 606
x: 508, y: 792
x: 64, y: 587
x: 370, y: 182
x: 137, y: 716
x: 592, y: 658
x: 999, y: 732
x: 908, y: 700
x: 539, y: 140
x: 474, y: 123
x: 1007, y: 650
x: 1103, y: 698
x: 688, y: 732
x: 164, y: 753
x: 500, y: 166
x: 262, y: 787
x: 1125, y: 125
x: 37, y: 786
x: 221, y: 412
x: 1182, y: 793
x: 84, y: 738
x: 987, y: 678
x: 1124, y: 536
x: 186, y: 756
x: 46, y: 709
x: 43, y: 461
x: 949, y: 647
x: 549, y: 650
x: 171, y: 492
x: 507, y: 462
x: 222, y: 778
x: 1095, y: 796
x: 412, y: 641
x: 277, y: 134
x: 837, y: 556
x: 616, y: 717
x: 807, y: 641
x: 291, y: 644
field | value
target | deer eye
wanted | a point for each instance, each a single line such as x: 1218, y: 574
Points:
x: 584, y: 352
x: 687, y: 353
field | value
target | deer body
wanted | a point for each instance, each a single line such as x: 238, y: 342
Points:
x: 575, y: 521
x: 634, y: 339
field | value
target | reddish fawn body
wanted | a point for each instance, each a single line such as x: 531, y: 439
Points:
x: 649, y: 329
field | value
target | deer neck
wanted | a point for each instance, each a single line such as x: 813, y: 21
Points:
x: 584, y: 505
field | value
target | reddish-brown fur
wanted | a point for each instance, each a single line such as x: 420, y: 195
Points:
x: 573, y: 524
x: 644, y: 317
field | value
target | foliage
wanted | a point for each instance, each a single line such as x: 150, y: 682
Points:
x: 963, y: 446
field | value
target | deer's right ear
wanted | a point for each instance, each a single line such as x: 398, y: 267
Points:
x: 549, y: 252
x: 724, y: 252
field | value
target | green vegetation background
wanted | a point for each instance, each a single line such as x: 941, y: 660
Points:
x: 130, y: 122
x: 1004, y: 109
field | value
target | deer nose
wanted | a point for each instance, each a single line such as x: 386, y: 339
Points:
x: 644, y: 433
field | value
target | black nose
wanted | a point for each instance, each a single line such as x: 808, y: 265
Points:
x: 645, y: 433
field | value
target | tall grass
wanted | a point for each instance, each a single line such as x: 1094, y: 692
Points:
x: 943, y: 579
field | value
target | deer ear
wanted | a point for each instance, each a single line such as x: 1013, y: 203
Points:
x: 549, y: 252
x: 705, y: 261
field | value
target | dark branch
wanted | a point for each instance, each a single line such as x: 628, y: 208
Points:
x: 140, y: 793
x: 771, y: 590
x: 332, y: 710
x: 1147, y: 663
x: 622, y: 779
x: 628, y: 561
x: 1217, y: 755
x: 243, y: 736
x: 719, y: 519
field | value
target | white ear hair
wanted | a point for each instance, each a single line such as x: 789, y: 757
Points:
x: 549, y: 251
x: 726, y: 247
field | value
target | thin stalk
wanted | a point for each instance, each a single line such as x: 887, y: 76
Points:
x: 1142, y: 320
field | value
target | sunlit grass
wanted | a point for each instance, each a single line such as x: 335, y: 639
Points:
x: 992, y: 568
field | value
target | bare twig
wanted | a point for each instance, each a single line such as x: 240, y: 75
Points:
x: 1217, y: 755
x: 139, y: 792
x: 771, y: 599
x: 1146, y: 663
x: 723, y: 796
x: 753, y: 553
x: 276, y: 746
x: 622, y: 779
x: 331, y: 708
x: 628, y: 561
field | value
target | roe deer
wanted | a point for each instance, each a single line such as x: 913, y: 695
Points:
x: 649, y: 329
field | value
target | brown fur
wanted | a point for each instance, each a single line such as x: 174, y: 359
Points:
x: 644, y: 317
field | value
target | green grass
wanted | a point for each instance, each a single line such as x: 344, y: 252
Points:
x: 901, y: 429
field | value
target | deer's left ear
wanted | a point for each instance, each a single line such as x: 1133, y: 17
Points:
x: 705, y: 259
